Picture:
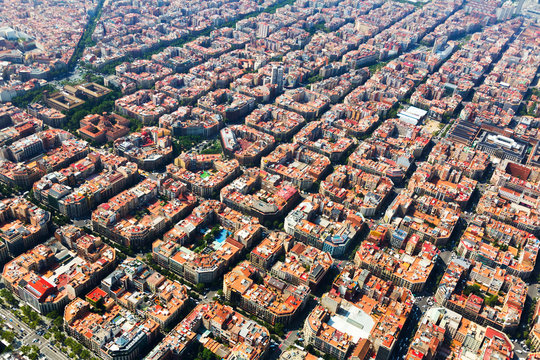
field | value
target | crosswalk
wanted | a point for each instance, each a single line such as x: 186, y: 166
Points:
x: 30, y: 335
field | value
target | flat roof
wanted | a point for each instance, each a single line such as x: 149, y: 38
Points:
x: 353, y: 321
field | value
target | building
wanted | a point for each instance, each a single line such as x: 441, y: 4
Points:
x: 296, y: 354
x: 502, y: 147
x: 232, y: 106
x: 191, y: 121
x: 342, y: 225
x: 132, y: 334
x: 442, y: 182
x: 23, y: 224
x: 344, y: 328
x: 357, y: 190
x: 204, y: 175
x: 471, y: 162
x: 150, y: 149
x: 51, y: 275
x: 17, y: 174
x: 76, y: 190
x: 138, y: 288
x: 297, y: 164
x: 303, y: 265
x: 494, y: 243
x: 103, y: 128
x: 51, y: 117
x: 412, y: 115
x: 63, y: 100
x: 456, y: 272
x: 273, y: 301
x: 227, y: 333
x: 146, y: 105
x: 269, y: 250
x: 324, y: 138
x: 260, y: 194
x: 277, y: 77
x: 305, y: 102
x: 498, y: 303
x: 278, y: 122
x: 431, y: 219
x: 115, y: 218
x: 246, y: 144
x: 403, y: 269
x: 426, y: 343
x: 205, y: 264
x: 392, y: 150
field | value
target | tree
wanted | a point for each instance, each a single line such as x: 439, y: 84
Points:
x: 278, y: 329
x: 472, y: 289
x: 206, y: 354
x: 9, y: 336
x: 8, y: 297
x: 32, y: 352
x: 53, y: 315
x: 85, y: 354
x: 59, y: 336
x: 329, y: 357
x: 58, y: 322
x: 215, y: 148
x: 492, y: 300
x: 35, y: 352
x: 313, y: 79
x: 25, y: 349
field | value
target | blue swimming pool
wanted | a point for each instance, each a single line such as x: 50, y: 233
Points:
x: 222, y: 235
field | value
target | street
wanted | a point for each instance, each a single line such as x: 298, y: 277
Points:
x: 446, y: 256
x: 30, y: 337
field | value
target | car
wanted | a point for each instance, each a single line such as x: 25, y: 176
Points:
x: 519, y: 351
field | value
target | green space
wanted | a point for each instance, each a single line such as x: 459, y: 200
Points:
x: 215, y: 148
